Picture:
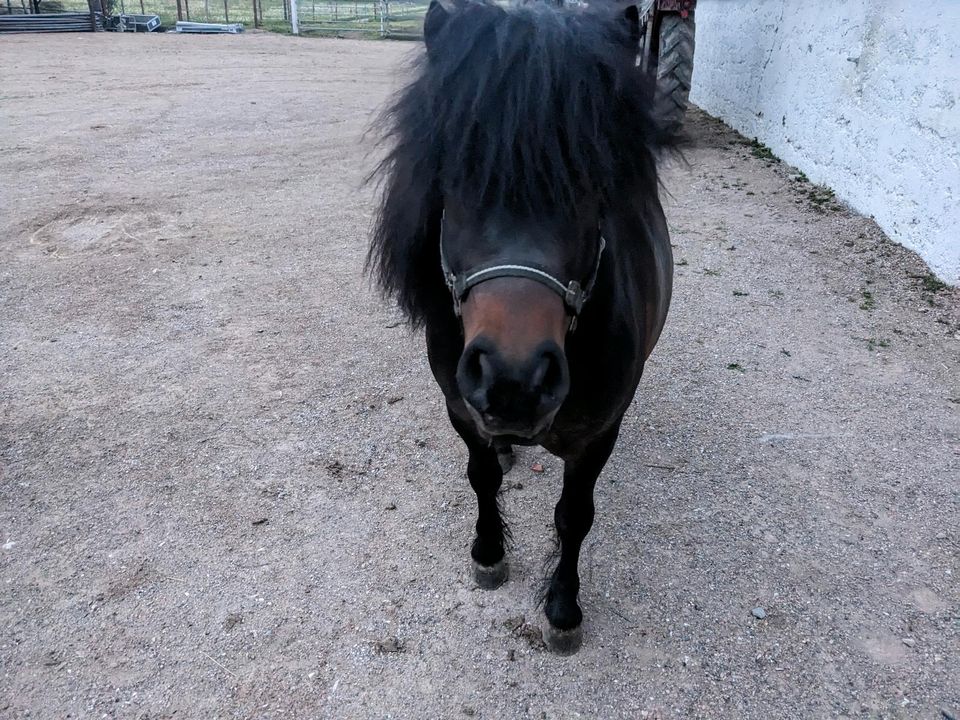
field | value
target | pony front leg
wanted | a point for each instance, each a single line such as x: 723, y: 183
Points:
x: 573, y: 517
x: 484, y: 470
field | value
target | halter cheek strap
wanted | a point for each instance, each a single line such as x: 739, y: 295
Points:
x: 573, y: 294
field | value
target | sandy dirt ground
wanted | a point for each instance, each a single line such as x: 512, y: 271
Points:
x: 229, y: 488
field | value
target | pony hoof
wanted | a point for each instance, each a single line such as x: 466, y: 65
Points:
x: 505, y: 458
x: 562, y: 642
x: 490, y: 577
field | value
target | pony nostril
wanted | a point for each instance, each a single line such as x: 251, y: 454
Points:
x: 550, y: 376
x: 486, y: 367
x: 472, y: 367
x: 540, y: 372
x: 473, y: 376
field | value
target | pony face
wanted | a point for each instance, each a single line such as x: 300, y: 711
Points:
x: 513, y: 374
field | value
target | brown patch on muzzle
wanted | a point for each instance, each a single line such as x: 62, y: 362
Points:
x: 516, y: 314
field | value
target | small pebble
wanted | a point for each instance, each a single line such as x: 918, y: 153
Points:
x: 909, y: 642
x: 389, y: 644
x: 948, y: 713
x: 537, y: 467
x: 469, y: 711
x: 232, y: 620
x: 391, y: 506
x: 759, y: 613
x: 514, y: 622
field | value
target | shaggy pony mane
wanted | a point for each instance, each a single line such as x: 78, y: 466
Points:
x: 529, y: 109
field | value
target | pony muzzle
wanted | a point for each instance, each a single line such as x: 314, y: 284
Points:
x: 516, y: 397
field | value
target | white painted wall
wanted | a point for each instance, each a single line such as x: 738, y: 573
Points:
x: 861, y: 95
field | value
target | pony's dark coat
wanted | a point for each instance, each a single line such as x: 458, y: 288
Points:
x: 528, y: 110
x: 532, y: 126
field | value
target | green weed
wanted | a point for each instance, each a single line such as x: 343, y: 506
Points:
x: 931, y: 283
x: 762, y: 152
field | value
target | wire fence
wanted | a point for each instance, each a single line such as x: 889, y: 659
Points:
x: 374, y: 18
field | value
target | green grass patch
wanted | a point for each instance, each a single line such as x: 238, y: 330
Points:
x: 822, y: 198
x: 931, y: 283
x: 762, y: 152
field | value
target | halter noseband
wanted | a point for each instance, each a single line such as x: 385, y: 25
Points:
x: 573, y: 294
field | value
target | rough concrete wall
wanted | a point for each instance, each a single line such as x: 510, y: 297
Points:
x: 862, y: 95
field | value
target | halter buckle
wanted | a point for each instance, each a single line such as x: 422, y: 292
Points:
x: 451, y: 280
x: 573, y: 298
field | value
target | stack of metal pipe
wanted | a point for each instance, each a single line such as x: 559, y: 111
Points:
x: 51, y: 22
x: 208, y: 28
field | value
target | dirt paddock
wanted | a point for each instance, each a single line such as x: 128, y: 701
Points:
x: 229, y: 488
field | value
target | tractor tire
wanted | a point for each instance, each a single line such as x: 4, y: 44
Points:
x: 674, y: 71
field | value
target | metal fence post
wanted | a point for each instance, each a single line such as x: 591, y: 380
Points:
x: 294, y: 19
x: 93, y: 14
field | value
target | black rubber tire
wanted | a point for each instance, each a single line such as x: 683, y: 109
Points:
x: 674, y: 70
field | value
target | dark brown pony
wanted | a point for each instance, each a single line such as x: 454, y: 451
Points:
x: 521, y: 227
